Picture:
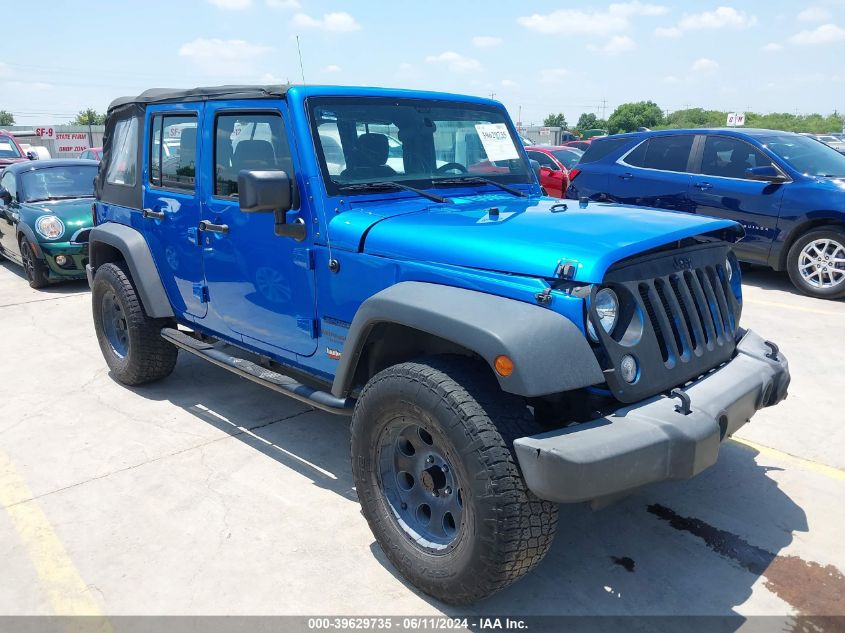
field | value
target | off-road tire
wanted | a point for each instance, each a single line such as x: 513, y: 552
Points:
x: 36, y: 270
x: 792, y: 262
x: 506, y: 531
x: 148, y: 357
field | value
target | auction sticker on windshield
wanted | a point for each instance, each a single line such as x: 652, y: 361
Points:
x: 497, y: 141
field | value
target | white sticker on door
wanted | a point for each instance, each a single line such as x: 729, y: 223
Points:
x: 497, y: 141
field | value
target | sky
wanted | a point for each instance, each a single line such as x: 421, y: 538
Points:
x: 60, y: 56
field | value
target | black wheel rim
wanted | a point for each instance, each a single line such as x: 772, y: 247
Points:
x: 420, y: 486
x: 28, y: 261
x: 114, y: 325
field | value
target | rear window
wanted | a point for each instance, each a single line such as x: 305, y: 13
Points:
x: 600, y: 148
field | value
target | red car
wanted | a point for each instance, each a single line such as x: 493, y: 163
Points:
x: 582, y: 145
x: 10, y: 151
x: 555, y: 163
x: 93, y: 153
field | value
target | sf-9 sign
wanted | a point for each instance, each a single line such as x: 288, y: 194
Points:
x: 45, y: 132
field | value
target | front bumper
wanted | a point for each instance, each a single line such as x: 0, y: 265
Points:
x: 654, y: 440
x: 76, y: 253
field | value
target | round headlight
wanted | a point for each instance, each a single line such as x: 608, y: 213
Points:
x: 49, y: 226
x: 729, y: 270
x: 607, y: 309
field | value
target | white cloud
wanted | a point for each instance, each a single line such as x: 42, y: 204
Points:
x: 671, y: 79
x: 603, y: 22
x: 509, y: 83
x: 814, y: 14
x: 30, y: 86
x: 5, y: 71
x: 824, y: 34
x: 721, y: 18
x: 340, y: 22
x: 486, y: 41
x: 771, y: 47
x: 270, y: 78
x: 705, y: 65
x: 332, y: 68
x: 616, y: 45
x: 405, y: 66
x: 553, y: 75
x: 232, y: 5
x: 223, y: 57
x: 457, y: 63
x: 283, y: 4
x: 670, y: 31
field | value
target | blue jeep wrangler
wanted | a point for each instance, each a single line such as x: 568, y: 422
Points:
x: 388, y: 255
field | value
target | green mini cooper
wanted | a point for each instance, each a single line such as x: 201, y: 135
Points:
x: 45, y: 217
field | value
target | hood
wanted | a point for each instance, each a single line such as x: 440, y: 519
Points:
x: 530, y: 236
x: 75, y: 213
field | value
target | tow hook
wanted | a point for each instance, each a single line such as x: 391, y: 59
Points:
x: 684, y: 407
x: 774, y: 353
x: 544, y: 298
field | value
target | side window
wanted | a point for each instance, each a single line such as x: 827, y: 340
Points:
x: 173, y: 151
x: 668, y: 153
x: 123, y: 165
x: 542, y: 158
x: 248, y: 141
x: 637, y: 157
x: 730, y: 157
x: 8, y: 183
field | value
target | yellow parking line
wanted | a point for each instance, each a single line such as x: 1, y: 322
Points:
x: 823, y: 469
x: 788, y: 306
x: 67, y: 592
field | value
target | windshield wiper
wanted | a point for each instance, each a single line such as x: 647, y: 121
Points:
x: 390, y: 184
x: 478, y: 180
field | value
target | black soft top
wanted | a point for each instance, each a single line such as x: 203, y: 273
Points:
x: 205, y: 93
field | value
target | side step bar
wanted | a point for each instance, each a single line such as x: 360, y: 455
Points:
x: 265, y: 377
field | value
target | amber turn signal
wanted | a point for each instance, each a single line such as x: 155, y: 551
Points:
x: 503, y: 365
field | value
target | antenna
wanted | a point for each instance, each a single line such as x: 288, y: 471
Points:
x: 301, y: 68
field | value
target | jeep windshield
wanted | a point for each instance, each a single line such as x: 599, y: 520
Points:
x: 417, y: 143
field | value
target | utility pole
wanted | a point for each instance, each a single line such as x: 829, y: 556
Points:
x: 604, y: 109
x: 492, y: 95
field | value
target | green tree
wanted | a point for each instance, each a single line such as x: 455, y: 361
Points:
x: 629, y: 116
x: 555, y: 120
x: 6, y: 118
x: 89, y: 117
x: 589, y: 121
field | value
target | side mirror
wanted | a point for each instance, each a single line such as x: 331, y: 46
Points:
x: 535, y: 166
x: 32, y: 155
x: 263, y: 191
x: 5, y: 196
x: 766, y: 173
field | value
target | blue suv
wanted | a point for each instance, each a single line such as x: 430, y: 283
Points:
x: 499, y: 352
x: 787, y: 190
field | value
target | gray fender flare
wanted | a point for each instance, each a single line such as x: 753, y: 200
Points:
x: 549, y: 352
x: 136, y: 252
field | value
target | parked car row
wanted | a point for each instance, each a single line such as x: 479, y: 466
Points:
x: 787, y: 190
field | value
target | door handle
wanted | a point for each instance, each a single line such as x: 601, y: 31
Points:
x: 704, y: 186
x: 213, y: 228
x: 626, y: 176
x: 149, y: 213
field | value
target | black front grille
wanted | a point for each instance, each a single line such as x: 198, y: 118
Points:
x: 682, y: 319
x: 691, y: 312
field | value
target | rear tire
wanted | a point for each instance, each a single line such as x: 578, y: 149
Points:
x: 476, y: 530
x: 131, y: 341
x: 35, y: 269
x: 816, y: 263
